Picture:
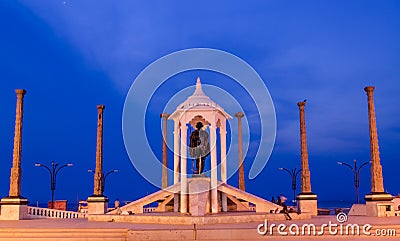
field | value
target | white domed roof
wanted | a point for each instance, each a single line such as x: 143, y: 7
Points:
x: 198, y: 102
x: 198, y: 99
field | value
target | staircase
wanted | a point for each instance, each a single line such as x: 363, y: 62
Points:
x: 159, y: 196
x: 262, y: 205
x: 165, y: 198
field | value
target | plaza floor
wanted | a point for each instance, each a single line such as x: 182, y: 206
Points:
x: 81, y: 229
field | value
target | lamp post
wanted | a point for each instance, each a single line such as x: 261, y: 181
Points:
x: 104, y: 176
x: 356, y: 173
x: 53, y: 170
x: 293, y: 174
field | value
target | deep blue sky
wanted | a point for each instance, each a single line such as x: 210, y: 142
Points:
x: 72, y: 55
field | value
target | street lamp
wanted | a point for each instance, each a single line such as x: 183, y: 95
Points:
x: 53, y: 170
x: 293, y: 174
x: 356, y: 172
x: 104, y: 176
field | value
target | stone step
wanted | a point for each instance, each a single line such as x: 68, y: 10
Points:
x: 65, y: 234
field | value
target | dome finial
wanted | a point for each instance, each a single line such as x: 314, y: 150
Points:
x: 199, y: 89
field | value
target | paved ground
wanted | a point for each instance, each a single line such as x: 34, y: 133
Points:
x: 83, y: 223
x: 136, y: 231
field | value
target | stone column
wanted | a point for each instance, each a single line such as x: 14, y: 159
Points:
x: 176, y: 152
x: 15, y: 180
x: 98, y: 175
x: 378, y: 202
x: 222, y: 135
x: 164, y: 177
x: 184, y: 184
x: 376, y: 168
x: 242, y: 186
x: 14, y: 207
x: 176, y: 162
x: 305, y: 173
x: 98, y: 203
x: 214, y: 173
x: 307, y: 201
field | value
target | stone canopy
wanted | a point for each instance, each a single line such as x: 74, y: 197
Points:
x: 198, y: 102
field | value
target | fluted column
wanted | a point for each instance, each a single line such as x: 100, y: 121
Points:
x: 242, y: 186
x: 15, y: 179
x: 376, y: 168
x: 164, y: 177
x: 305, y: 173
x: 98, y: 175
x: 184, y: 185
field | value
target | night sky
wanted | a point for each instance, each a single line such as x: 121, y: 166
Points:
x: 72, y: 55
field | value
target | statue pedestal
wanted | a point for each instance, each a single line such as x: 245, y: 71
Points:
x: 14, y: 208
x: 379, y: 205
x: 199, y: 190
x: 307, y: 203
x: 97, y: 204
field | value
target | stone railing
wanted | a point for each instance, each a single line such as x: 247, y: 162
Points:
x: 36, y: 212
x: 149, y: 209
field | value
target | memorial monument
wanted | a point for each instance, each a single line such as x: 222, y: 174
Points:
x: 14, y: 206
x: 202, y: 192
x: 200, y: 108
x: 307, y: 200
x: 378, y: 202
x: 98, y: 203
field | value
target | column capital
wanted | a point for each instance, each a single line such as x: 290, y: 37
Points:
x: 164, y: 115
x: 301, y: 104
x: 101, y: 107
x: 239, y: 114
x: 20, y: 91
x: 369, y: 89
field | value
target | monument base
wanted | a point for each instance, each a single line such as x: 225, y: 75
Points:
x: 379, y: 205
x: 97, y: 204
x: 14, y: 208
x: 199, y: 196
x: 307, y: 203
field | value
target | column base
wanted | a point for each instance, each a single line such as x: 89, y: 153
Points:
x: 176, y: 202
x: 379, y: 205
x: 224, y: 202
x: 97, y: 204
x: 307, y: 203
x: 14, y: 208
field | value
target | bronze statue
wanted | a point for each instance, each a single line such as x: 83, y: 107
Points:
x: 199, y: 147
